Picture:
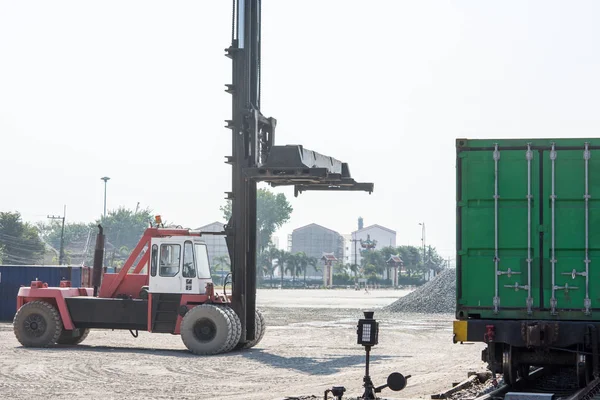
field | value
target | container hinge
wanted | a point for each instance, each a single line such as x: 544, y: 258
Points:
x: 517, y: 287
x: 496, y: 304
x: 508, y: 273
x: 574, y: 274
x: 587, y: 303
x: 553, y: 304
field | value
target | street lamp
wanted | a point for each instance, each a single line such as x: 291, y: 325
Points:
x: 105, y: 179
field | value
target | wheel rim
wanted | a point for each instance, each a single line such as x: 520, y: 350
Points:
x: 205, y: 330
x: 35, y: 325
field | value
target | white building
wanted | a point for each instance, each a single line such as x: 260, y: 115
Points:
x: 215, y: 244
x: 348, y: 248
x: 380, y: 235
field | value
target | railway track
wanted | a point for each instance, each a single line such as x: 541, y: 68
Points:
x: 545, y: 384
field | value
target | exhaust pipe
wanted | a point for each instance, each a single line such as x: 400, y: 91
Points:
x: 98, y: 256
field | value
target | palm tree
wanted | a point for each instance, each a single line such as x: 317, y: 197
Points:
x: 271, y: 254
x: 291, y: 265
x: 282, y: 259
x: 302, y: 264
x: 354, y: 269
x: 313, y: 262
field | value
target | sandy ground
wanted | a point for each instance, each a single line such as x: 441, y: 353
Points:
x: 310, y: 345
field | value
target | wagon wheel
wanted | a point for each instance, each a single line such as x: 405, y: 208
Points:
x: 509, y: 367
x: 206, y: 329
x: 37, y: 324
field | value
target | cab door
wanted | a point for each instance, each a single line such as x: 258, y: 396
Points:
x: 202, y: 265
x: 189, y: 273
x: 166, y: 266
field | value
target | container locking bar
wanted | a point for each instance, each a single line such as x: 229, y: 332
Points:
x: 587, y: 302
x: 496, y: 156
x: 553, y: 302
x: 529, y: 301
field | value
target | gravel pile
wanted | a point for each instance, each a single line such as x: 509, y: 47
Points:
x: 436, y: 296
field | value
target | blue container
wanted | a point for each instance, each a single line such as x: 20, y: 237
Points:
x: 12, y: 277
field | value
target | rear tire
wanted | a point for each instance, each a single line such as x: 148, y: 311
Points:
x: 261, y: 327
x: 67, y: 338
x: 206, y: 329
x: 37, y: 324
x: 236, y: 327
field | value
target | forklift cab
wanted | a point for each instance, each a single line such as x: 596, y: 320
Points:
x: 179, y: 264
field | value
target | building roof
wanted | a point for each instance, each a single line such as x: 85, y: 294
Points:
x: 205, y: 227
x: 329, y: 257
x: 395, y: 259
x: 375, y: 226
x: 317, y: 225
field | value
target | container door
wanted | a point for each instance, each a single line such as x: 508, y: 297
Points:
x: 498, y: 219
x: 571, y: 235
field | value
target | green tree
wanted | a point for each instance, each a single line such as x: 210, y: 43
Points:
x: 19, y: 240
x: 282, y: 260
x: 302, y: 264
x: 412, y: 259
x: 265, y: 262
x: 79, y: 239
x: 124, y: 227
x: 272, y: 211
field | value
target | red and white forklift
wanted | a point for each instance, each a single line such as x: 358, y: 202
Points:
x: 165, y: 286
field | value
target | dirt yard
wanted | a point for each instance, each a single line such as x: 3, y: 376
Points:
x: 310, y: 345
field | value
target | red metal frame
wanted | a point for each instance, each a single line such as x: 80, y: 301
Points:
x: 54, y: 296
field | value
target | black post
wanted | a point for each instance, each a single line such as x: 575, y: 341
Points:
x: 61, y: 254
x: 368, y: 384
x: 98, y: 256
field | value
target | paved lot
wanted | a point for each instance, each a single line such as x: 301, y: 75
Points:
x: 310, y: 345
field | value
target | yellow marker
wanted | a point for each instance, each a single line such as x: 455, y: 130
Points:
x: 460, y: 331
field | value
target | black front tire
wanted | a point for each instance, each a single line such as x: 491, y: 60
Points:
x: 37, y: 324
x: 206, y: 329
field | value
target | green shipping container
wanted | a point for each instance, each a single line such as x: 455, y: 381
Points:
x: 528, y: 229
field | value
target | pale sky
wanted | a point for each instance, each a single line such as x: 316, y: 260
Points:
x: 133, y: 90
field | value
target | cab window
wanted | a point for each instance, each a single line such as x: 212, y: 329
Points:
x: 154, y: 260
x: 189, y: 266
x: 170, y: 256
x: 202, y: 261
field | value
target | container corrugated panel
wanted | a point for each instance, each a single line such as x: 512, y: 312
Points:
x: 12, y: 277
x: 528, y: 228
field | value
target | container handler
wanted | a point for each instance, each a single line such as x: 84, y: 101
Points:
x: 175, y: 294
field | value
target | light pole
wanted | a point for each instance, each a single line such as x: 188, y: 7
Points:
x: 105, y: 179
